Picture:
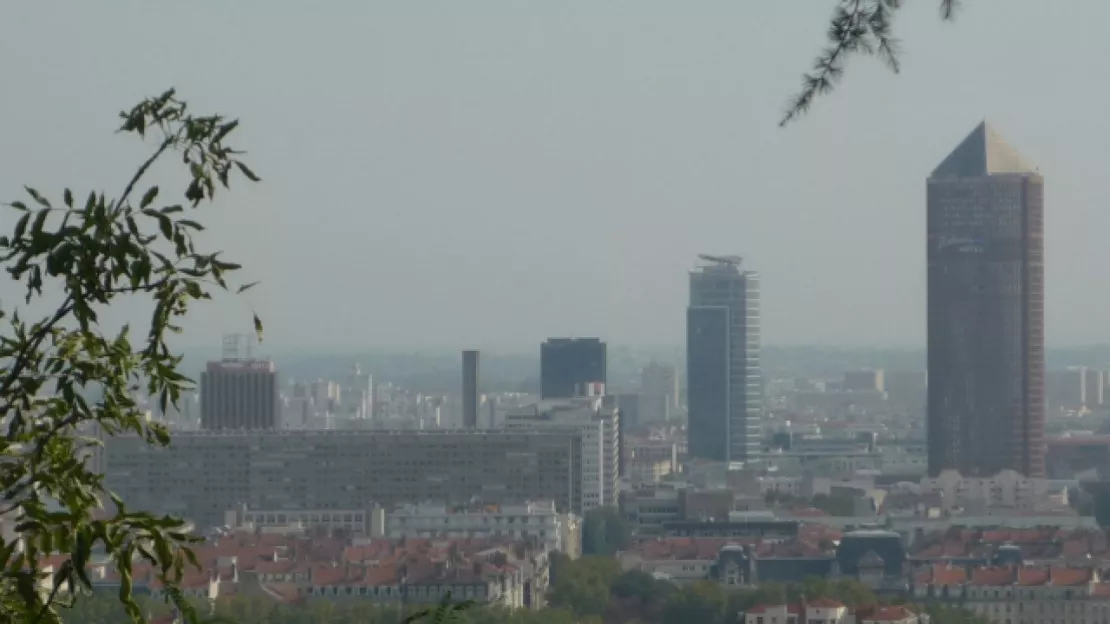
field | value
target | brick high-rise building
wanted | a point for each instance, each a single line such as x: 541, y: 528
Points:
x: 986, y: 311
x: 239, y: 394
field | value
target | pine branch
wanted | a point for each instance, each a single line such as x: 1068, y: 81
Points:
x: 857, y: 27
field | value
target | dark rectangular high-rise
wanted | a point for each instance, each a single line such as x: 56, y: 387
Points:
x: 239, y: 394
x: 723, y: 374
x: 986, y: 311
x: 470, y: 389
x: 569, y: 364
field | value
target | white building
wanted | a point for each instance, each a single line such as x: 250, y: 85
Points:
x: 1019, y: 595
x: 531, y: 520
x: 1007, y: 489
x: 600, y: 430
x: 658, y: 393
x: 829, y: 611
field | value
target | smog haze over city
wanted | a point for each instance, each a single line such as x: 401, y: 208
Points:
x: 554, y: 312
x: 454, y: 174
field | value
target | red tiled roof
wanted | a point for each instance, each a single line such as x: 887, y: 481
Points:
x: 992, y: 577
x: 893, y: 613
x: 328, y: 575
x: 1032, y: 576
x: 792, y: 609
x: 1070, y: 576
x: 942, y: 575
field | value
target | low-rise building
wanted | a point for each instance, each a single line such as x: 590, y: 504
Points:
x: 1007, y: 489
x: 538, y: 521
x: 1019, y: 594
x: 829, y: 611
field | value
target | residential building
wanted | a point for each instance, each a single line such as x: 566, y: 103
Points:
x: 864, y: 380
x: 659, y: 393
x: 724, y: 379
x: 599, y: 429
x: 985, y: 257
x: 204, y: 474
x: 534, y: 521
x: 1075, y: 388
x: 239, y: 394
x: 356, y: 523
x: 1006, y: 489
x: 569, y: 364
x: 1018, y: 594
x: 829, y: 611
x: 648, y: 461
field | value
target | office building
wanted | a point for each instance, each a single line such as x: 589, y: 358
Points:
x: 864, y: 380
x: 470, y: 396
x: 204, y: 474
x: 569, y: 365
x: 358, y: 395
x: 658, y: 393
x: 239, y: 394
x: 598, y: 425
x: 629, y: 406
x: 724, y: 387
x: 985, y: 227
x: 1075, y: 388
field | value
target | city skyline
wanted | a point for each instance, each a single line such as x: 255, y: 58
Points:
x: 654, y: 149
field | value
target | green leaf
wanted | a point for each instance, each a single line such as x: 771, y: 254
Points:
x: 245, y: 287
x: 35, y: 195
x: 247, y: 172
x: 21, y: 226
x: 67, y: 197
x: 148, y: 197
x: 40, y: 221
x: 18, y: 205
x: 258, y: 327
x: 225, y: 130
x: 166, y: 226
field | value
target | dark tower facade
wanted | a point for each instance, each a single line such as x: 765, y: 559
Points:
x: 470, y: 389
x: 568, y: 364
x: 239, y: 394
x: 985, y: 255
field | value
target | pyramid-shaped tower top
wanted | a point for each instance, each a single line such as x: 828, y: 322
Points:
x: 983, y: 152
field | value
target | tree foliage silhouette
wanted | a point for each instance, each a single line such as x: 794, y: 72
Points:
x: 857, y: 27
x: 66, y: 380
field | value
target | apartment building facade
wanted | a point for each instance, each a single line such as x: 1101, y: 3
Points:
x: 202, y: 475
x: 599, y: 429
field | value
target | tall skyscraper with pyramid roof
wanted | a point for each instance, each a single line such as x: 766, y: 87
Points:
x: 985, y: 254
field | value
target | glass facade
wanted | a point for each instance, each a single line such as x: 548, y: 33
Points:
x: 724, y: 377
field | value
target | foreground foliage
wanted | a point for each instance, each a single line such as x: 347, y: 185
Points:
x: 857, y: 27
x: 67, y: 380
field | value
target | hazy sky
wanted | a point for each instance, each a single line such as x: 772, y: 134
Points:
x: 490, y: 173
